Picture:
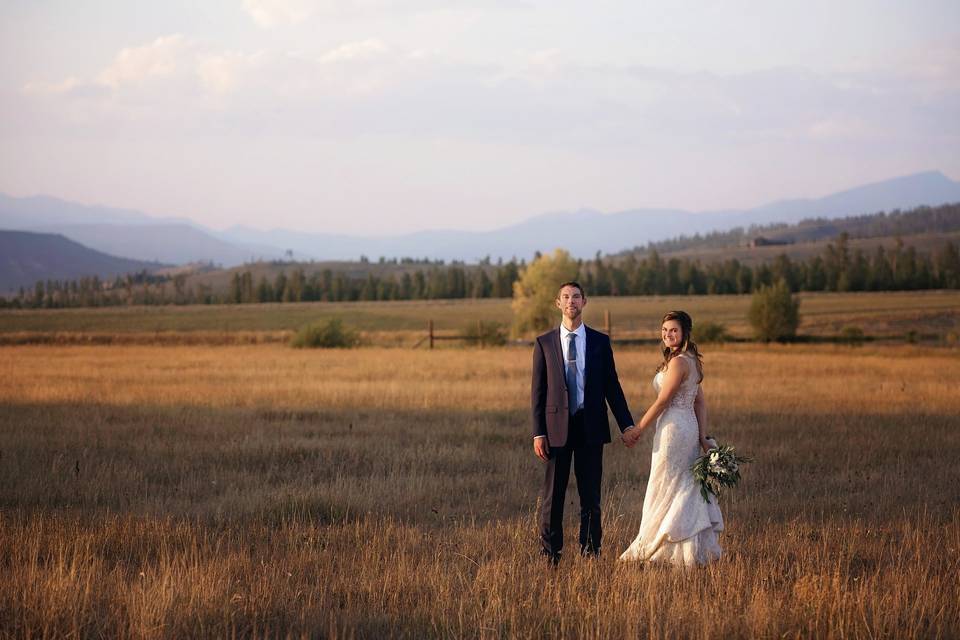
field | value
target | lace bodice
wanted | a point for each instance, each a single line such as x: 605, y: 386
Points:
x: 687, y: 393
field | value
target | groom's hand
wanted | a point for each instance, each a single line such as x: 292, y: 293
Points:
x: 541, y: 448
x: 630, y: 436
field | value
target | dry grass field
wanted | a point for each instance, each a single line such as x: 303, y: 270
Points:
x: 930, y: 314
x: 259, y: 491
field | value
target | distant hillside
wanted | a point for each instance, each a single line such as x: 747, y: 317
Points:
x: 924, y: 244
x: 27, y: 257
x: 172, y: 243
x: 128, y: 233
x: 25, y: 214
x: 926, y: 261
x: 924, y: 227
x: 136, y: 235
x: 609, y: 232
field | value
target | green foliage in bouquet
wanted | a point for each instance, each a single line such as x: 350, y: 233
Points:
x: 717, y: 468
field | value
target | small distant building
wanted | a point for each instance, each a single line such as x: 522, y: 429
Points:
x: 760, y: 241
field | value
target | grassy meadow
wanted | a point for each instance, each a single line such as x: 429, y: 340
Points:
x: 931, y: 315
x: 255, y: 490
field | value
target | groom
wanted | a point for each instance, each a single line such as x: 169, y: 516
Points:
x: 574, y: 378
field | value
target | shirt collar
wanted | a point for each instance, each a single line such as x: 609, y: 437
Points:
x: 580, y: 331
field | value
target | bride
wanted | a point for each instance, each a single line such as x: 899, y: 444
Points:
x: 677, y: 525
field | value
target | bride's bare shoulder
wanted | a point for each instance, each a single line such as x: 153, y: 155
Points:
x: 681, y: 362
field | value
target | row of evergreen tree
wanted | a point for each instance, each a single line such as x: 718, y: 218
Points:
x: 437, y: 282
x: 836, y: 269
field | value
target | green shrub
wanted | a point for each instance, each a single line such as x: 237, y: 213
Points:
x: 331, y: 334
x: 710, y: 332
x: 774, y: 313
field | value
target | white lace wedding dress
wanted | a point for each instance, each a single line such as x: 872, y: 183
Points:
x: 677, y: 526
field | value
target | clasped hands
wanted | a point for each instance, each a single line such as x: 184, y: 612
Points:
x: 631, y: 436
x: 542, y: 449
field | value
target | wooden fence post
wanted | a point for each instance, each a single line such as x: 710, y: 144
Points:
x: 607, y: 327
x: 430, y: 332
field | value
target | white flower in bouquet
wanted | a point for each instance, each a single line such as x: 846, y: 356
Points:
x: 718, y: 468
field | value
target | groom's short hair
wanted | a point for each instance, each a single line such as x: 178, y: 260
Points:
x: 571, y: 283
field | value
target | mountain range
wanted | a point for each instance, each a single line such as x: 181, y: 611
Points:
x: 27, y: 257
x: 135, y: 235
x: 609, y: 232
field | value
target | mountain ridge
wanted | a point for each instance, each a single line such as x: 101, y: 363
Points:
x: 596, y: 231
x: 27, y: 257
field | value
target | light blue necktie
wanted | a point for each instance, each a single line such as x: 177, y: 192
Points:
x: 573, y: 391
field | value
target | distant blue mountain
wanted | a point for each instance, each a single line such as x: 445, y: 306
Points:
x: 45, y: 211
x: 136, y: 235
x: 26, y: 257
x: 609, y: 232
x: 126, y: 233
x: 931, y: 188
x: 173, y: 243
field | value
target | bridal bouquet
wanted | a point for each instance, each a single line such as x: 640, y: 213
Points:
x: 717, y: 468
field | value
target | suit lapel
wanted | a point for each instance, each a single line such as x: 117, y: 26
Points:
x: 587, y: 344
x: 558, y: 350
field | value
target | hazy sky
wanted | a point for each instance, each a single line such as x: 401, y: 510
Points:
x: 381, y: 116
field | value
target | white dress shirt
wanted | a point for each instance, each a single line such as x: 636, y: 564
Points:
x: 580, y: 336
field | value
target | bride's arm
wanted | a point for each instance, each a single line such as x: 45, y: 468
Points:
x: 700, y: 408
x: 672, y: 379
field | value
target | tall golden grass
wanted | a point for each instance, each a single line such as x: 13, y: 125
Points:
x: 187, y: 491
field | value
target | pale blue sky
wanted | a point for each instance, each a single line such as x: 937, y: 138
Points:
x: 371, y: 116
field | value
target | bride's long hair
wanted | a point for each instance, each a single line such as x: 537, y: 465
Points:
x: 687, y: 345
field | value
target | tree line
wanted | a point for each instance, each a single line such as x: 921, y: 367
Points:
x: 837, y: 268
x: 438, y: 282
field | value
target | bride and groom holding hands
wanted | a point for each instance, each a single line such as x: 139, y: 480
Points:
x: 574, y: 381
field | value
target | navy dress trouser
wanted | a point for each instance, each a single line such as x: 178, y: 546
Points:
x: 587, y: 462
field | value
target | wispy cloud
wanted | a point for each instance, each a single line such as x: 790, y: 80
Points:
x: 369, y: 86
x: 223, y: 72
x: 274, y: 13
x: 363, y: 50
x: 371, y: 122
x: 164, y: 57
x: 159, y: 58
x: 63, y: 86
